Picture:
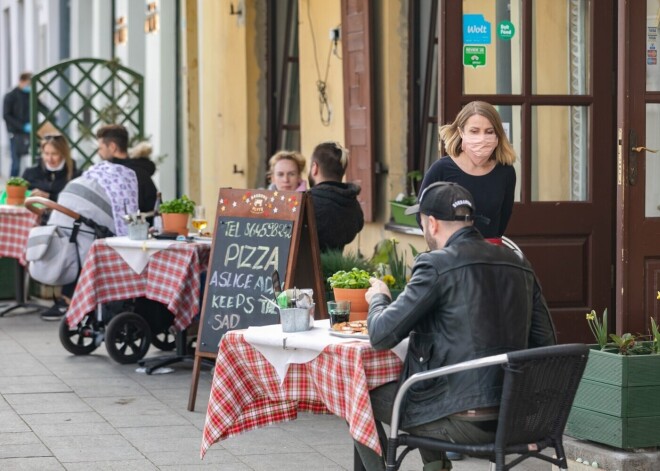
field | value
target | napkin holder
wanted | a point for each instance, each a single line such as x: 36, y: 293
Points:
x: 138, y: 231
x: 296, y: 319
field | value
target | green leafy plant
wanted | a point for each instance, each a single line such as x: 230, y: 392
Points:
x: 17, y: 181
x: 598, y: 327
x: 183, y: 205
x: 353, y: 279
x: 655, y: 333
x: 413, y: 177
x: 390, y: 266
x: 333, y: 261
x: 626, y: 344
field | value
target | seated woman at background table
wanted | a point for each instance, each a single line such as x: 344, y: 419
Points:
x: 286, y: 169
x: 55, y: 169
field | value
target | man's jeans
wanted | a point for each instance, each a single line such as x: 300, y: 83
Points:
x: 15, y: 157
x: 448, y: 429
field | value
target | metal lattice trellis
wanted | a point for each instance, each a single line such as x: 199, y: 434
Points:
x: 83, y: 95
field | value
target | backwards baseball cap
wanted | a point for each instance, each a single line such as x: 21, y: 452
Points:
x: 441, y: 199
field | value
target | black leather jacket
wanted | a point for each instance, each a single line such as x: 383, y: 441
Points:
x: 469, y: 300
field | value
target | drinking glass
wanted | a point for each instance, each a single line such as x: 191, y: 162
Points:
x: 199, y: 220
x: 339, y: 311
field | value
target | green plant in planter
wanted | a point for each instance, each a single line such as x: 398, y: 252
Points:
x: 390, y: 266
x: 183, y: 205
x: 18, y: 181
x: 413, y: 176
x: 333, y: 261
x: 353, y: 279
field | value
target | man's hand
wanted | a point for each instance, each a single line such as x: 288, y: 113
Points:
x: 37, y: 192
x: 377, y: 287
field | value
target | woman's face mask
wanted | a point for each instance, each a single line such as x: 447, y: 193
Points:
x: 479, y: 138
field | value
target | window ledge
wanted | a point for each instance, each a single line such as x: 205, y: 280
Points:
x: 402, y: 229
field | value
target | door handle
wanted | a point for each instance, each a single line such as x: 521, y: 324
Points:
x: 642, y: 148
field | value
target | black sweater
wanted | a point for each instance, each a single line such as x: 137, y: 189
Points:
x: 52, y: 182
x: 144, y: 168
x: 338, y: 214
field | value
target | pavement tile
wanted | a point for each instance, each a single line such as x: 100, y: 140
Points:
x: 191, y: 457
x: 77, y: 449
x: 28, y: 450
x: 32, y: 384
x: 42, y: 403
x: 31, y: 464
x: 120, y: 465
x: 264, y: 441
x: 20, y: 364
x: 18, y: 438
x: 71, y: 429
x: 11, y: 422
x: 106, y: 386
x: 63, y: 418
x: 291, y: 461
x: 135, y: 411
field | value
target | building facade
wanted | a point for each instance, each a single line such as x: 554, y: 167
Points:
x: 229, y: 82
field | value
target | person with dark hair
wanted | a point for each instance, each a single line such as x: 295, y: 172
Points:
x: 113, y: 147
x: 466, y: 299
x: 54, y: 170
x: 337, y: 211
x: 16, y: 113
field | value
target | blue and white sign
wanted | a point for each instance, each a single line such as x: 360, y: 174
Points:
x: 476, y: 30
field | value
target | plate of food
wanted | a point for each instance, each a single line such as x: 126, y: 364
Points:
x: 350, y: 330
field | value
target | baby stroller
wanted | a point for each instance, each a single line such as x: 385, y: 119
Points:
x: 55, y: 254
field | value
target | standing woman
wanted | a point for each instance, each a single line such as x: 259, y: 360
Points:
x: 286, y: 171
x: 55, y: 169
x: 481, y: 160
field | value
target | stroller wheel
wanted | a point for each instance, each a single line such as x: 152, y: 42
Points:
x: 165, y: 340
x: 81, y: 339
x: 127, y: 337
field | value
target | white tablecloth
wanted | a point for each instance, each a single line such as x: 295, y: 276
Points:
x: 283, y: 348
x: 136, y: 253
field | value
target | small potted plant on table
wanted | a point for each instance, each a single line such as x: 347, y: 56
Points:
x: 351, y: 286
x: 175, y: 214
x: 16, y: 188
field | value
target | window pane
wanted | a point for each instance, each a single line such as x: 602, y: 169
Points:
x: 499, y: 71
x: 652, y: 67
x: 511, y: 120
x: 652, y: 161
x: 561, y: 49
x: 560, y: 135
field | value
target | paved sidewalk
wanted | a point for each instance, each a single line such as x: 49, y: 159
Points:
x: 65, y: 412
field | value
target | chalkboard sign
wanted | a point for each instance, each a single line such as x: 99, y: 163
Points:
x: 256, y: 232
x: 247, y: 252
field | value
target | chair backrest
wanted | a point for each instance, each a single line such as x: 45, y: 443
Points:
x: 538, y: 391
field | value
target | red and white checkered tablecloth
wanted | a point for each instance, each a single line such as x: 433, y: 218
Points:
x: 246, y: 392
x: 15, y: 225
x: 171, y: 277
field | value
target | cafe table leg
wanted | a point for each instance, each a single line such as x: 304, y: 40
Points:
x: 20, y: 278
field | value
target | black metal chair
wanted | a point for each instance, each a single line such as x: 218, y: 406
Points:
x: 538, y: 391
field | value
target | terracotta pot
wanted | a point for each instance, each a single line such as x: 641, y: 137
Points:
x: 359, y: 305
x: 175, y: 222
x: 16, y: 195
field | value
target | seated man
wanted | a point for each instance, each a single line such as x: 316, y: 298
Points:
x: 466, y: 299
x: 336, y: 209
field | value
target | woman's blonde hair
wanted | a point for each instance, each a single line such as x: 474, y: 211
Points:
x: 294, y: 156
x: 59, y: 142
x: 450, y: 135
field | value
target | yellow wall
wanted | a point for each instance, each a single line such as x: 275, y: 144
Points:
x: 314, y: 44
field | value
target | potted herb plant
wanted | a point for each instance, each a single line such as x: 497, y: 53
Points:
x: 351, y: 286
x: 402, y: 201
x: 175, y: 214
x: 333, y: 261
x: 616, y: 403
x: 16, y: 188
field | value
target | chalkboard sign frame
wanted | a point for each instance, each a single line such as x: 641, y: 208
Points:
x: 303, y: 261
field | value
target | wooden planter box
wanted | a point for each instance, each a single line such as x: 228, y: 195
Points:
x: 397, y: 210
x: 617, y: 401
